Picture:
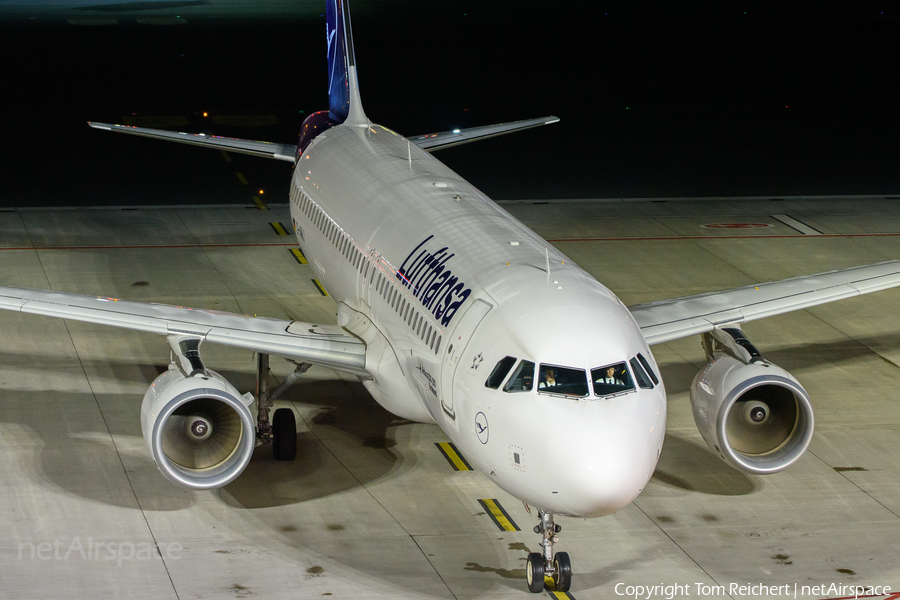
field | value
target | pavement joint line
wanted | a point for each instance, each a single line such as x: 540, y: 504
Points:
x: 376, y: 500
x: 297, y: 253
x: 895, y: 596
x: 720, y: 237
x: 677, y: 545
x: 453, y: 456
x: 142, y: 246
x: 167, y: 207
x: 498, y: 514
x: 115, y: 446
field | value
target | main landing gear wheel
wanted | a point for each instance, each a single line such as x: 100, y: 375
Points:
x: 562, y: 572
x: 284, y: 434
x: 534, y: 573
x: 558, y: 567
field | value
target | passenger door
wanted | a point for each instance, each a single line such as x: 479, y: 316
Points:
x: 458, y: 341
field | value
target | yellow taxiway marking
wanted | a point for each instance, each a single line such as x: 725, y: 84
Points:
x: 241, y: 178
x: 225, y: 155
x: 320, y: 287
x: 259, y: 203
x: 453, y: 456
x: 498, y: 514
x: 548, y: 581
x: 298, y: 256
x: 279, y: 228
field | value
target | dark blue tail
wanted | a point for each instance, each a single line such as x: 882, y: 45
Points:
x: 343, y: 92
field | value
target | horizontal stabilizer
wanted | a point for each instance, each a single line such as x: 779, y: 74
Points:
x: 669, y: 320
x: 446, y: 139
x: 285, y: 152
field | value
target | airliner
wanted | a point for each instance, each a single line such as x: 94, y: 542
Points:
x: 452, y: 312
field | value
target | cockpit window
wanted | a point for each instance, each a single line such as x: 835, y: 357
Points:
x: 523, y: 379
x: 642, y: 380
x: 648, y: 369
x: 611, y: 379
x: 562, y: 380
x: 500, y: 372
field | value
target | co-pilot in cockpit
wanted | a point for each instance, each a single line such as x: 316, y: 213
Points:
x: 553, y: 379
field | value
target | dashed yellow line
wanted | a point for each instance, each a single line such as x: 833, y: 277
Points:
x: 259, y: 203
x: 297, y: 253
x: 456, y: 460
x: 279, y: 228
x: 225, y: 156
x: 498, y: 514
x: 320, y: 287
x: 554, y: 594
x: 241, y: 178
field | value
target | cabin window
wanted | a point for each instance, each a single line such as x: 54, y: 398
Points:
x: 501, y: 370
x: 563, y: 380
x: 523, y: 379
x: 611, y: 379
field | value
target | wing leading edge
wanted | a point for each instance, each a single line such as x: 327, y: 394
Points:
x: 327, y: 345
x: 669, y: 320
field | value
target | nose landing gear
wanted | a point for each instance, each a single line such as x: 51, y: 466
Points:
x: 539, y: 565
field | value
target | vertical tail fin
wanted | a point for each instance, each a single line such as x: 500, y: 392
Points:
x: 344, y: 104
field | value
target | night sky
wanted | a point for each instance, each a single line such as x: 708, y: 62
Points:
x: 655, y: 99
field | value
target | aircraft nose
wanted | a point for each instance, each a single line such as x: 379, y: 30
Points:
x: 598, y: 468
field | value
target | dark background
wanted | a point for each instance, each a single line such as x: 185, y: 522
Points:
x: 655, y: 99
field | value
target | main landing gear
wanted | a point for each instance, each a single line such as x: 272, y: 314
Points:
x: 281, y: 432
x: 539, y: 565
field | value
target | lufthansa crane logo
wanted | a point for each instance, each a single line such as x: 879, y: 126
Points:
x: 481, y: 428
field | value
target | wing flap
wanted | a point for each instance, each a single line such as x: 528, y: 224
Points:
x: 681, y: 317
x: 285, y: 152
x: 446, y: 139
x: 320, y: 344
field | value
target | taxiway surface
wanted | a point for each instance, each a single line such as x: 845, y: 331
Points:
x: 371, y: 508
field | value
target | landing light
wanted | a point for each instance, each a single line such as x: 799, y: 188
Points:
x: 456, y: 131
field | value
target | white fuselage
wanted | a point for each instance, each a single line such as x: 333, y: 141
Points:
x: 443, y: 284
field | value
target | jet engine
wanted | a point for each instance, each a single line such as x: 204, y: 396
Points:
x: 753, y: 414
x: 198, y: 428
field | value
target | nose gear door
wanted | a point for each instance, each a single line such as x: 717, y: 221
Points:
x: 459, y: 340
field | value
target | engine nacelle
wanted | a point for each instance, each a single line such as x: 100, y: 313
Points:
x: 199, y: 430
x: 754, y: 415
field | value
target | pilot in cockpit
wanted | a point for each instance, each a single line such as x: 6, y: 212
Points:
x: 548, y: 380
x: 610, y: 377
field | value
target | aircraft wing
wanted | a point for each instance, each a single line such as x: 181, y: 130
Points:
x: 446, y: 139
x: 673, y: 319
x: 327, y: 345
x: 285, y: 152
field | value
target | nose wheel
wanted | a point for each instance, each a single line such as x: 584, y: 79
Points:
x: 542, y: 564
